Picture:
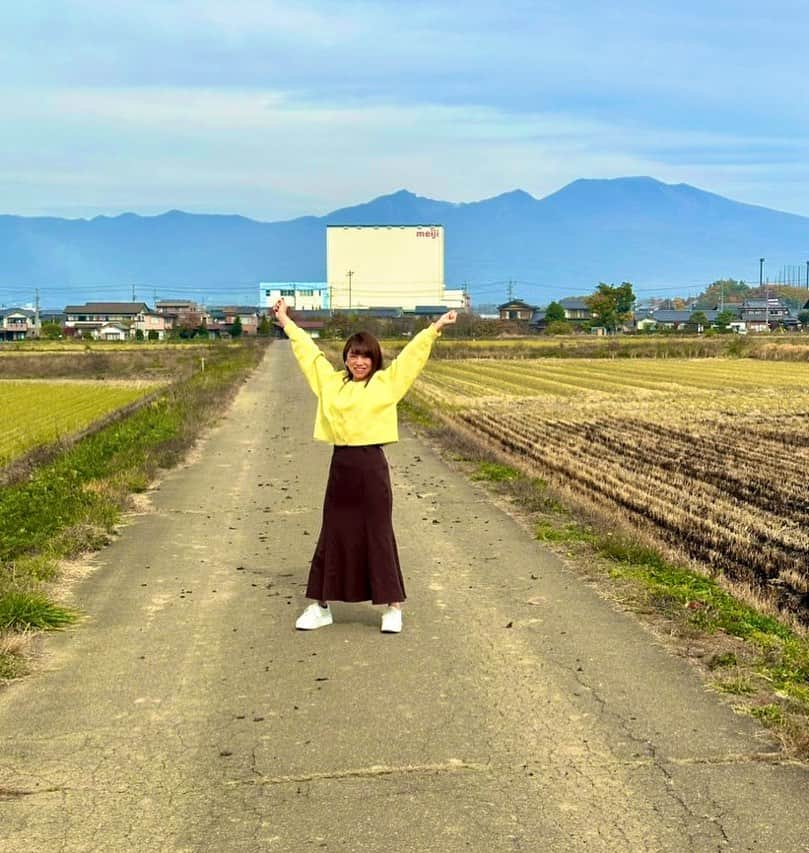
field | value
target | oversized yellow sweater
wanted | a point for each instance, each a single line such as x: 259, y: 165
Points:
x: 352, y: 412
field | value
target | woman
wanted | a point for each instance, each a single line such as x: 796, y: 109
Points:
x: 356, y: 557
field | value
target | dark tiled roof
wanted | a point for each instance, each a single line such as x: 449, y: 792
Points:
x: 107, y: 308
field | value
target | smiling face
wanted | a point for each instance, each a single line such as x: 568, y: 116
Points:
x: 359, y: 365
x: 362, y: 356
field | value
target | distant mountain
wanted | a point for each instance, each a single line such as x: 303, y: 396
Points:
x: 653, y: 234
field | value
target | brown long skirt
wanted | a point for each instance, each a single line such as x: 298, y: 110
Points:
x: 356, y: 557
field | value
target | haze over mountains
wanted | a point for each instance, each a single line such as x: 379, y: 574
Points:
x: 666, y: 239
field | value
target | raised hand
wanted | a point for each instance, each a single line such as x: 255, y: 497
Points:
x: 446, y: 320
x: 280, y: 309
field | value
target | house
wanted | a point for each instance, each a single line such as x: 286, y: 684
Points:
x: 152, y: 325
x: 88, y: 320
x: 516, y: 309
x: 16, y: 324
x: 764, y: 314
x: 248, y: 316
x: 180, y: 313
x: 112, y: 332
x: 83, y: 321
x: 576, y: 309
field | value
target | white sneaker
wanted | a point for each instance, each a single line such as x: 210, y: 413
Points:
x: 313, y: 617
x: 392, y: 620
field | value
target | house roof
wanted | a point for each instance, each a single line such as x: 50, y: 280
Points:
x: 107, y: 308
x: 515, y: 303
x: 575, y: 303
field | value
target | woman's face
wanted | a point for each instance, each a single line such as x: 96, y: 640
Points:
x: 359, y: 366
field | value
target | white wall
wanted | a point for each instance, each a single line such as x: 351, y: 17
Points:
x: 303, y: 295
x: 398, y: 266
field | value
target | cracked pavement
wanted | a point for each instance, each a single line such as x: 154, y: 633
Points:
x: 518, y: 711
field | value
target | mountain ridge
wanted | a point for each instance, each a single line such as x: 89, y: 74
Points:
x: 656, y: 235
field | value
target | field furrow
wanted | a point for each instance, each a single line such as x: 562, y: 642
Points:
x: 708, y: 455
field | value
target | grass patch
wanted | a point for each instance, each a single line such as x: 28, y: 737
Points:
x: 554, y: 530
x: 418, y: 414
x: 496, y: 473
x: 22, y: 611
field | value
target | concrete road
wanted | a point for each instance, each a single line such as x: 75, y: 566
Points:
x: 516, y: 712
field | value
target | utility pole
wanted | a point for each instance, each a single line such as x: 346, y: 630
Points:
x: 350, y: 275
x: 510, y: 290
x: 36, y: 312
x: 133, y: 293
x: 765, y: 292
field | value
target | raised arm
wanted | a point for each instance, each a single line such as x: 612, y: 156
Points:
x: 312, y: 362
x: 411, y: 360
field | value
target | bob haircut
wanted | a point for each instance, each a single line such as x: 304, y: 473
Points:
x: 363, y: 343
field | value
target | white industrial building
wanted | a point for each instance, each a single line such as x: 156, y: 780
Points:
x: 392, y: 266
x: 303, y: 295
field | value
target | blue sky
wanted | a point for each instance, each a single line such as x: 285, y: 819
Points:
x: 275, y: 110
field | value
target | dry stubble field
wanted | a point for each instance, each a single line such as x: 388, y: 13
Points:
x: 708, y: 456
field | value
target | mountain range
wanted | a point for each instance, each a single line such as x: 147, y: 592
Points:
x: 666, y: 239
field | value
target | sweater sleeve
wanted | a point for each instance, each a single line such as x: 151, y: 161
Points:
x: 313, y: 363
x: 410, y: 362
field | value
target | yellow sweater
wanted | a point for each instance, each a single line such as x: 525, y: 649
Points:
x: 352, y: 412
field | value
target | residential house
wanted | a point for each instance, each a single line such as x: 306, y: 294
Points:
x: 180, y: 313
x: 577, y: 310
x: 248, y: 315
x: 764, y: 314
x: 89, y: 319
x: 516, y: 309
x: 17, y: 324
x: 112, y: 332
x: 219, y: 321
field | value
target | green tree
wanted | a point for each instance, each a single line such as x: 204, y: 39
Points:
x: 236, y: 328
x: 138, y: 334
x: 803, y: 316
x: 723, y: 320
x: 154, y: 335
x: 698, y: 321
x: 612, y: 305
x: 51, y: 331
x: 263, y: 326
x: 554, y: 313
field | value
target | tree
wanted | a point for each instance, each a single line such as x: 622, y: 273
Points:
x: 554, y: 312
x: 51, y: 331
x: 723, y: 320
x: 724, y: 290
x: 236, y: 328
x: 611, y: 305
x: 803, y: 316
x: 698, y: 321
x: 263, y: 326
